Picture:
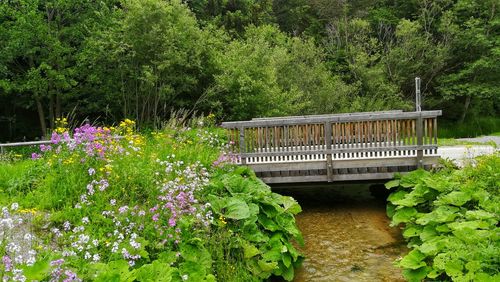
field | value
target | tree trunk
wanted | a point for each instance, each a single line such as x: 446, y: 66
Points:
x: 58, y: 105
x: 466, y: 107
x: 41, y: 116
x: 51, y: 110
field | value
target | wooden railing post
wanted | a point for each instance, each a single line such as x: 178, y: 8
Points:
x: 420, y: 142
x: 242, y: 146
x: 328, y: 143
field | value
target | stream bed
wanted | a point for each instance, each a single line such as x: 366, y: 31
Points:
x: 347, y: 235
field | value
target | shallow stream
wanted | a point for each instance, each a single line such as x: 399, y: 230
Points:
x: 347, y: 235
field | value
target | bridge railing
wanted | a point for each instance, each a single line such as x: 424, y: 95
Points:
x: 353, y: 136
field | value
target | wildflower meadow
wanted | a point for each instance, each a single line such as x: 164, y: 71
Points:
x: 111, y: 204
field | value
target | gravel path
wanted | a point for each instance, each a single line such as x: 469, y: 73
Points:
x: 462, y: 154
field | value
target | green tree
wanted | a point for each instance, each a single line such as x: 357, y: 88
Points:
x: 38, y: 51
x: 152, y: 59
x: 473, y: 29
x: 233, y: 15
x: 268, y: 74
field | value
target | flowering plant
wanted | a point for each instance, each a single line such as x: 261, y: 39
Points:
x: 107, y: 203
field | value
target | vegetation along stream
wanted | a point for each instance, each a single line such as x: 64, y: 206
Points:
x: 347, y: 234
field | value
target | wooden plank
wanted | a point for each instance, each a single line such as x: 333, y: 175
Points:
x: 339, y: 151
x: 382, y: 116
x: 327, y: 115
x: 386, y: 162
x: 435, y: 134
x: 338, y: 177
x: 290, y: 166
x: 328, y: 141
x: 295, y: 179
x: 364, y: 176
x: 242, y: 146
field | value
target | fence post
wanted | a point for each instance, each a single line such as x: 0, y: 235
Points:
x: 328, y: 143
x: 419, y: 125
x: 242, y: 146
x: 418, y: 95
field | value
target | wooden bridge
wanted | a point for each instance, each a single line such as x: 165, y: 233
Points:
x: 337, y: 147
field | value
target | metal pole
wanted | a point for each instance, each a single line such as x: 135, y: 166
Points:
x: 418, y: 97
x: 419, y: 124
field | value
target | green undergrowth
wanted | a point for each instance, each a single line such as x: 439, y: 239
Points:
x: 164, y: 206
x: 456, y: 142
x: 479, y: 126
x: 450, y: 219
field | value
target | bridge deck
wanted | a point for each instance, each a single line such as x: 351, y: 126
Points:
x: 339, y: 147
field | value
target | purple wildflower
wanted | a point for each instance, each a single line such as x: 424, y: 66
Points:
x: 123, y: 209
x: 57, y: 262
x: 7, y: 262
x: 55, y: 138
x: 156, y: 216
x: 45, y: 148
x: 171, y: 222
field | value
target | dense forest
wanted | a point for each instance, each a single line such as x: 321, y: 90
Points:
x: 143, y: 59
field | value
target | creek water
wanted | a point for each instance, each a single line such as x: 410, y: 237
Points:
x: 347, y: 235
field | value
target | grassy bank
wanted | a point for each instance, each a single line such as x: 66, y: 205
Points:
x: 166, y: 206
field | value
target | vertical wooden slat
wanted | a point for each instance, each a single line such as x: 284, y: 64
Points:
x: 242, y: 145
x: 328, y: 141
x: 435, y: 135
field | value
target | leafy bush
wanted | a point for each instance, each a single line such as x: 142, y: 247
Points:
x: 451, y: 222
x: 263, y: 223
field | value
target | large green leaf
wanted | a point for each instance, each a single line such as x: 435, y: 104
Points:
x: 454, y: 267
x: 412, y: 231
x: 249, y: 250
x: 428, y: 233
x: 416, y: 275
x: 113, y: 271
x: 479, y: 214
x: 437, y: 184
x: 267, y: 266
x: 440, y: 214
x: 291, y: 205
x: 156, y: 271
x: 38, y: 271
x: 392, y: 184
x: 403, y: 215
x: 194, y: 251
x: 456, y: 198
x: 288, y: 273
x: 413, y: 178
x: 397, y: 196
x: 252, y: 233
x: 194, y: 271
x: 235, y: 208
x: 433, y: 246
x: 413, y: 260
x: 267, y: 223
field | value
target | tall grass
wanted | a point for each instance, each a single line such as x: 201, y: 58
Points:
x: 469, y: 128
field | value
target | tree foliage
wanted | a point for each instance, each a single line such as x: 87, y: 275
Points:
x: 112, y: 59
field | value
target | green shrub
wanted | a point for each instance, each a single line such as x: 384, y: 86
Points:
x: 451, y: 222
